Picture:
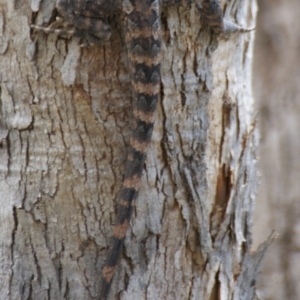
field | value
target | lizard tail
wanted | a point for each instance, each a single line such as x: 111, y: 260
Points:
x: 143, y: 39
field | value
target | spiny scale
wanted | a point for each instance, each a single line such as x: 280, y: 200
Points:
x: 143, y: 39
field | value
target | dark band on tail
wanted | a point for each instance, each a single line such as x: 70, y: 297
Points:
x: 212, y: 15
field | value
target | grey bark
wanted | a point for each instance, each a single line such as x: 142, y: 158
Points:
x: 276, y: 85
x: 65, y: 124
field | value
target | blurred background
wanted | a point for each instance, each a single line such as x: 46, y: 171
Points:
x: 276, y: 85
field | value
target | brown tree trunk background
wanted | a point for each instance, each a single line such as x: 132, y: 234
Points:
x: 277, y: 90
x: 65, y: 123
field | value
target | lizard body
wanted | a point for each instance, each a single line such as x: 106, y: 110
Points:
x: 143, y: 39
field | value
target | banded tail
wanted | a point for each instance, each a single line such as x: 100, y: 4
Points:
x: 143, y: 39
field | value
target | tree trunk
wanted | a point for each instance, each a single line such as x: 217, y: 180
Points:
x: 277, y: 89
x: 65, y: 124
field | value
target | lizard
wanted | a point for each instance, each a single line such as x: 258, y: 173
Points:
x: 143, y: 37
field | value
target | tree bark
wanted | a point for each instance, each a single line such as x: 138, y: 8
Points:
x: 65, y: 124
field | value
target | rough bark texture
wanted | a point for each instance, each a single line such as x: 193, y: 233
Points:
x: 65, y: 125
x: 277, y: 89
